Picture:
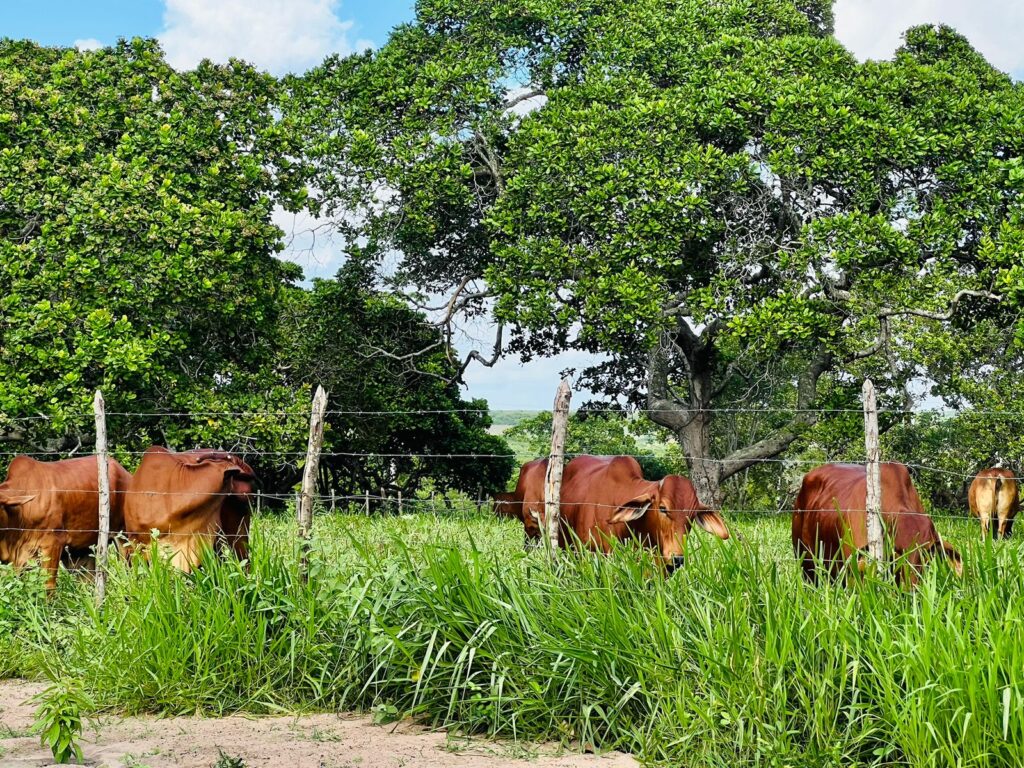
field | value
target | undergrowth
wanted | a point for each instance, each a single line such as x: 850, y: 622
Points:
x: 731, y: 661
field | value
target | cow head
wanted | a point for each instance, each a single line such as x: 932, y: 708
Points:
x: 9, y: 504
x: 239, y: 479
x: 663, y: 513
x: 505, y: 505
x: 533, y: 518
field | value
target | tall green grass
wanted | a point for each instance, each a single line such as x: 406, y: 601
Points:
x: 731, y: 661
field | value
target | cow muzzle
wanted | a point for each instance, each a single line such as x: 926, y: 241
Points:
x: 676, y: 561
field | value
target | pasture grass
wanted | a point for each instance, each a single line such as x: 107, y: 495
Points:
x: 731, y: 661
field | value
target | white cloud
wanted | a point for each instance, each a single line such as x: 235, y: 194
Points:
x: 872, y: 29
x: 275, y: 35
x: 88, y: 44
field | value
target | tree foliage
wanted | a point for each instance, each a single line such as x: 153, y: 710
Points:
x: 391, y: 424
x: 700, y: 192
x: 138, y: 254
x: 136, y: 244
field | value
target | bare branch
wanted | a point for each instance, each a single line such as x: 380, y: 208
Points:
x: 487, y: 362
x: 490, y: 159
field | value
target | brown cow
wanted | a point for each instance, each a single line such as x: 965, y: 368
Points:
x: 49, y: 507
x: 529, y: 494
x: 194, y: 499
x: 605, y: 498
x: 994, y: 496
x: 830, y: 521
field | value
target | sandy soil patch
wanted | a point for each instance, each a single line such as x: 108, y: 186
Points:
x: 308, y: 741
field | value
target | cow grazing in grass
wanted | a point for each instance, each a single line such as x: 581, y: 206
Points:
x: 994, y: 499
x: 606, y: 498
x: 48, y: 508
x: 194, y: 499
x: 830, y: 521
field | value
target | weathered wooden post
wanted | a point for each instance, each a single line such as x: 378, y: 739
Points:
x: 103, y: 470
x: 399, y: 501
x: 366, y: 504
x: 309, y: 475
x: 553, y: 479
x: 874, y: 474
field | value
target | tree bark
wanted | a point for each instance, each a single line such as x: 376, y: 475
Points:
x: 705, y: 470
x: 691, y: 422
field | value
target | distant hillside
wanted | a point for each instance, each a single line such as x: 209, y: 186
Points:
x: 511, y: 418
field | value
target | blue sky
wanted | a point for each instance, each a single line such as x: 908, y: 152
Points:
x: 62, y: 22
x: 292, y: 35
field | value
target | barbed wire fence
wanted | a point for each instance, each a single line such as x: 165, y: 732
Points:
x: 310, y: 497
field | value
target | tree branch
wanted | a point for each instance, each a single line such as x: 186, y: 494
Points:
x: 487, y: 362
x: 942, y: 316
x: 525, y: 96
x: 776, y: 443
x: 664, y: 409
x: 486, y: 154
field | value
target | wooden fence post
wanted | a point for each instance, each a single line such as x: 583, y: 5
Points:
x: 399, y: 501
x: 309, y: 475
x: 103, y: 470
x: 366, y: 504
x: 553, y: 480
x: 874, y: 476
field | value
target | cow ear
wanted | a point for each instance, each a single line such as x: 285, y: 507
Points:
x: 713, y: 523
x: 15, y: 501
x: 632, y: 510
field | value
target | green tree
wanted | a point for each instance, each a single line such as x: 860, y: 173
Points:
x: 395, y: 416
x: 137, y: 250
x: 599, y: 432
x: 702, y: 192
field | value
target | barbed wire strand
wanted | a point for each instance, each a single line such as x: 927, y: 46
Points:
x: 626, y: 411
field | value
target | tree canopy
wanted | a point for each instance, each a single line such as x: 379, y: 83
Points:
x: 718, y: 200
x: 137, y: 251
x: 138, y: 254
x: 717, y: 197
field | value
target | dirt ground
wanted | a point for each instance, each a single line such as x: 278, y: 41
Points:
x: 308, y: 741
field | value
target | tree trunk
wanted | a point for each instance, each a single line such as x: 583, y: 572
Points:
x: 705, y: 471
x: 690, y: 417
x: 690, y: 422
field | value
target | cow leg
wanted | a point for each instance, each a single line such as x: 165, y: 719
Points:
x: 809, y: 569
x: 49, y: 558
x: 1004, y: 505
x: 807, y: 564
x: 235, y: 529
x: 986, y: 522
